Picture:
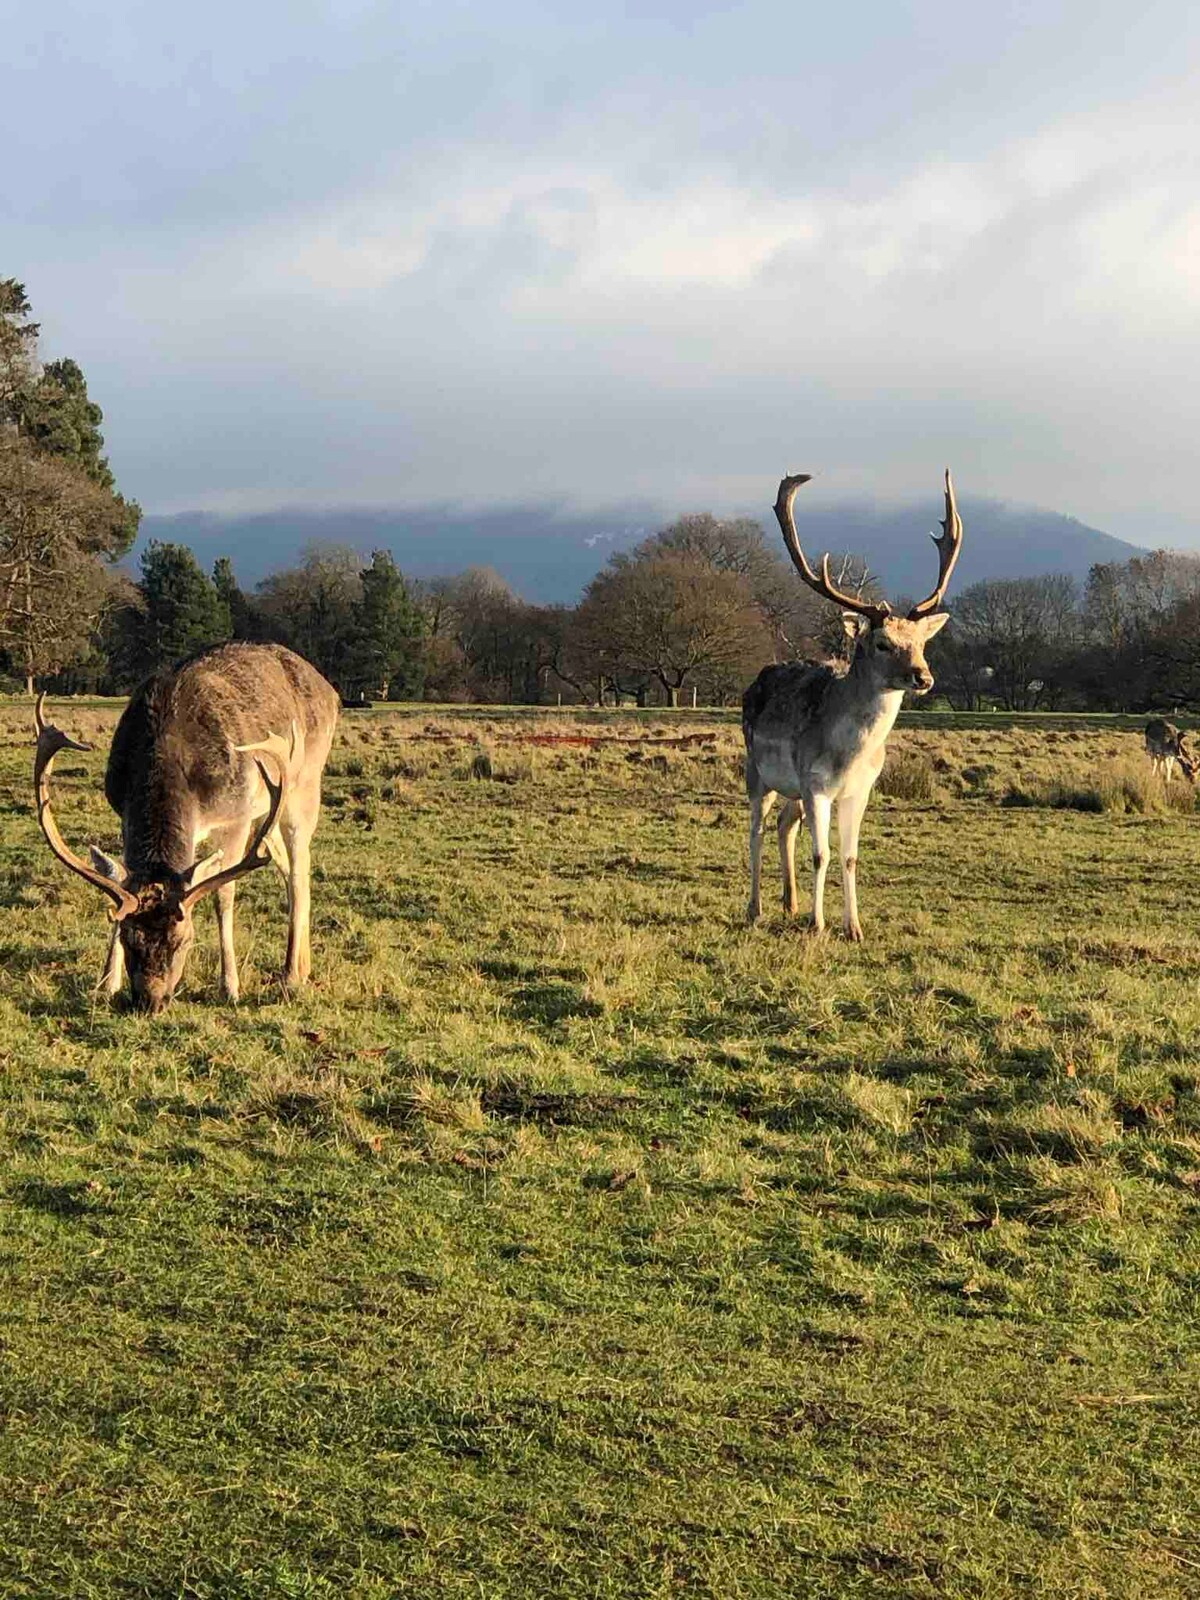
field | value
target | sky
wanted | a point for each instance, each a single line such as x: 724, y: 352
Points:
x: 381, y: 254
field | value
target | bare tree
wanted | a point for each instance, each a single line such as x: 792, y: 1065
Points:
x: 673, y: 616
x: 1021, y: 633
x: 56, y: 527
x: 800, y: 625
x: 310, y: 607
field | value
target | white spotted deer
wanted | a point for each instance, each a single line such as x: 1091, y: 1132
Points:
x: 1165, y: 746
x: 199, y: 755
x: 816, y: 734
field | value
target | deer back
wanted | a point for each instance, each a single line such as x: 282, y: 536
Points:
x: 173, y: 765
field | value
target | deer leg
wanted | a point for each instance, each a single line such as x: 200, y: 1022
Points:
x: 232, y: 843
x: 299, y: 958
x: 850, y: 814
x: 818, y: 808
x: 113, y: 975
x: 298, y: 829
x: 760, y: 809
x: 790, y: 818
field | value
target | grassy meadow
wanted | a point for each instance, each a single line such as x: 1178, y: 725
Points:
x: 568, y: 1238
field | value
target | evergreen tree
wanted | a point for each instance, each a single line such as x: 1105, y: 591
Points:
x: 236, y: 602
x: 18, y: 350
x: 179, y: 613
x: 386, y: 650
x: 58, y: 418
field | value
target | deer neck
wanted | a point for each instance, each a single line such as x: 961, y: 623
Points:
x: 159, y: 826
x: 873, y: 705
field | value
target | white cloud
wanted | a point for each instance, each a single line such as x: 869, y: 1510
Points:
x: 1114, y: 200
x: 617, y: 307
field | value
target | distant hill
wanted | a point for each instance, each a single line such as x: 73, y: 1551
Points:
x: 548, y: 553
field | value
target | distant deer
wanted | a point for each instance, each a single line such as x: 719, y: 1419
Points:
x: 187, y: 766
x: 1165, y: 745
x: 816, y: 734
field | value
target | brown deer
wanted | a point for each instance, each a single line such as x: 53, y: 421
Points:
x: 199, y: 755
x: 816, y: 734
x: 1165, y: 745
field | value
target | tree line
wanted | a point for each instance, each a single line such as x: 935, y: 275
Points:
x: 695, y: 610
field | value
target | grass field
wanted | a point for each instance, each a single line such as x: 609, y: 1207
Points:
x: 567, y: 1238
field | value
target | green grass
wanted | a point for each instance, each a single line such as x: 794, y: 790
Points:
x: 567, y: 1238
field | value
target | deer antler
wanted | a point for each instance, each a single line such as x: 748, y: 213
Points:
x: 50, y: 740
x: 256, y: 856
x: 877, y: 611
x: 949, y: 544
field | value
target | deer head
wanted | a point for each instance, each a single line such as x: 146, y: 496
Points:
x: 153, y: 916
x: 890, y: 649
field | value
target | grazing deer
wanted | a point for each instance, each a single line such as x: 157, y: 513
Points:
x: 816, y: 734
x: 187, y: 766
x: 1165, y: 745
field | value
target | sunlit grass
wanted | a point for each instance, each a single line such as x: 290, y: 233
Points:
x: 568, y: 1238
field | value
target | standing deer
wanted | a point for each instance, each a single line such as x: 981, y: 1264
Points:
x: 1165, y: 745
x: 191, y: 761
x: 816, y: 734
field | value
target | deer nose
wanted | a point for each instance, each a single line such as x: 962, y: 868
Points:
x: 151, y: 1000
x: 922, y: 680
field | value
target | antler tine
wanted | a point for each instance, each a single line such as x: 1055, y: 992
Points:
x: 949, y: 544
x: 60, y: 739
x: 256, y: 856
x: 50, y: 740
x: 821, y: 581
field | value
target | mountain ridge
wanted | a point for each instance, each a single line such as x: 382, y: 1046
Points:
x: 548, y: 553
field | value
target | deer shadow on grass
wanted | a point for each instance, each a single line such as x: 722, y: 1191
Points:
x: 547, y: 1004
x: 70, y: 1201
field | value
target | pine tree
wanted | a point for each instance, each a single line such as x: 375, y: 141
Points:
x: 56, y: 415
x: 18, y: 350
x: 234, y: 599
x: 180, y: 612
x: 386, y: 653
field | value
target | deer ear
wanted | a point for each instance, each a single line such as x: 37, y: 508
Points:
x: 105, y: 864
x: 854, y: 624
x: 935, y: 623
